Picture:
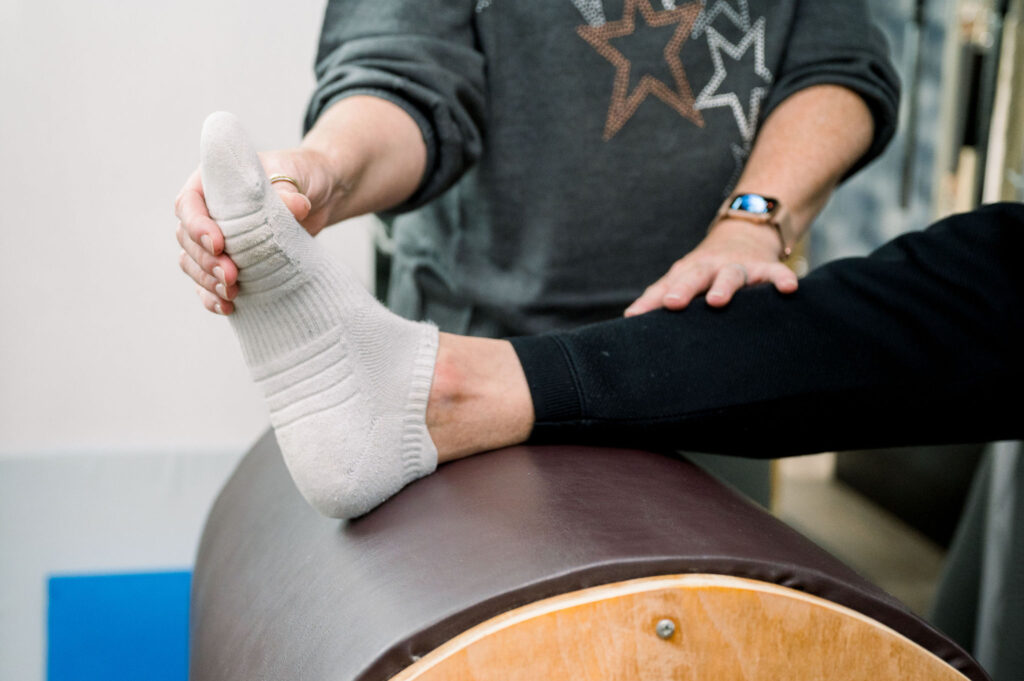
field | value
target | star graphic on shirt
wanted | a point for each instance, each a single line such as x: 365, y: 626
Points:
x: 625, y: 103
x: 592, y: 11
x: 710, y: 97
x: 740, y: 18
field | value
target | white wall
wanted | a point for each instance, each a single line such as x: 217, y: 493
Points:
x: 115, y: 386
x: 103, y: 342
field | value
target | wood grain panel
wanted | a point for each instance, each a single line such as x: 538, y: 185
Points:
x: 726, y: 628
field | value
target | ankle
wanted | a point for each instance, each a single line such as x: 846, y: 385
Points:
x: 446, y: 396
x: 479, y: 399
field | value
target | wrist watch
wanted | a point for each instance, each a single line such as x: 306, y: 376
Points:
x: 760, y: 210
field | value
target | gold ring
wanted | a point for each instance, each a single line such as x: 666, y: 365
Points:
x: 284, y: 178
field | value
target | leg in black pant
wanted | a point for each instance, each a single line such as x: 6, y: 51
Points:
x: 918, y: 343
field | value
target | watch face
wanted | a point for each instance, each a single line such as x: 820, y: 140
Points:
x: 754, y: 203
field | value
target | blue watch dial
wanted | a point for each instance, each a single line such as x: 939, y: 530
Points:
x: 753, y: 203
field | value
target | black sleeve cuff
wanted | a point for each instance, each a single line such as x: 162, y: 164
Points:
x: 551, y: 377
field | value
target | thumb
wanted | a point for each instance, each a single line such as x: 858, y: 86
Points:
x: 298, y: 204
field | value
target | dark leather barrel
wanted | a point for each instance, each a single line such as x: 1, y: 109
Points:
x: 280, y: 592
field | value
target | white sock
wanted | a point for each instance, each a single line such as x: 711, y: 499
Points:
x: 346, y: 380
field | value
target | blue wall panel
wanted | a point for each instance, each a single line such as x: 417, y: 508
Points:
x: 118, y: 627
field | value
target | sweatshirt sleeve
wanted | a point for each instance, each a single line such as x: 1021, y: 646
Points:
x: 838, y: 43
x: 420, y: 55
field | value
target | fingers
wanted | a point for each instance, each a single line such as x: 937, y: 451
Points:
x: 784, y: 279
x: 202, y: 242
x: 684, y: 282
x: 220, y: 266
x: 218, y: 275
x: 732, y: 277
x: 729, y: 258
x: 650, y: 300
x: 729, y: 279
x: 190, y: 207
x: 213, y: 283
x: 213, y: 303
x: 193, y: 270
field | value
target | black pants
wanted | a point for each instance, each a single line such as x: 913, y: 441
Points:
x: 922, y: 342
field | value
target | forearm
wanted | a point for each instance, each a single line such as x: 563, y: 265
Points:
x: 373, y: 153
x: 805, y: 147
x: 915, y: 344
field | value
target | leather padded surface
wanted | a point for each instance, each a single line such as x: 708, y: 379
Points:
x: 280, y: 592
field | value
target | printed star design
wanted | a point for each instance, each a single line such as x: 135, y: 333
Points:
x: 710, y: 98
x: 624, y: 103
x: 740, y: 18
x: 592, y: 11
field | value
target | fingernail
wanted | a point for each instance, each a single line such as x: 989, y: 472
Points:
x: 673, y: 296
x: 218, y: 309
x: 207, y: 242
x: 219, y: 273
x: 221, y: 291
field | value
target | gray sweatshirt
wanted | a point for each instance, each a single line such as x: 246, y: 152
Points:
x: 577, y: 148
